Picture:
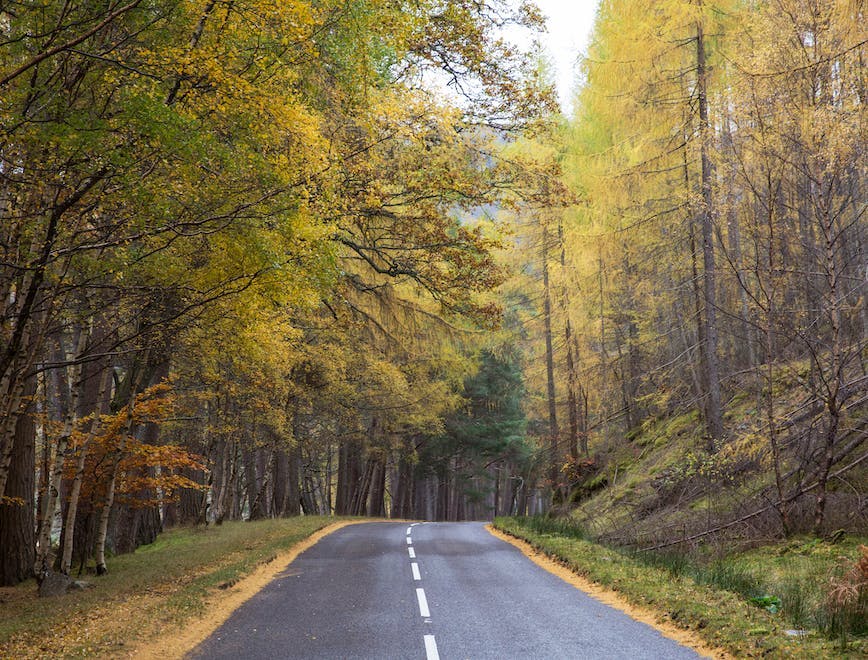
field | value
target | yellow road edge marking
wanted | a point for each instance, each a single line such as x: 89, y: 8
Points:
x: 612, y: 598
x: 179, y: 643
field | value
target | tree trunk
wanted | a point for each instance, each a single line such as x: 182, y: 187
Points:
x: 342, y: 495
x: 134, y: 526
x: 442, y: 498
x: 771, y: 357
x: 349, y: 478
x: 75, y: 487
x: 74, y: 385
x: 573, y: 385
x: 250, y: 484
x: 293, y: 482
x: 835, y: 380
x: 264, y: 467
x: 712, y: 373
x: 138, y: 523
x: 554, y: 454
x: 17, y: 539
x: 402, y: 506
x: 363, y: 489
x: 699, y: 373
x: 191, y: 503
x: 102, y: 528
x: 377, y: 503
x: 827, y: 461
x: 281, y: 476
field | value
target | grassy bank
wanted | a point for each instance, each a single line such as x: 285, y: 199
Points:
x: 157, y: 588
x: 714, y: 600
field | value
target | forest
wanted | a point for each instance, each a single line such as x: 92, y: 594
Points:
x: 267, y: 258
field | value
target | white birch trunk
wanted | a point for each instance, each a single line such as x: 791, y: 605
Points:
x: 43, y: 543
x: 75, y: 489
x: 102, y: 529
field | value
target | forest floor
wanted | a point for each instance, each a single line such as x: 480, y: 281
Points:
x: 158, y: 593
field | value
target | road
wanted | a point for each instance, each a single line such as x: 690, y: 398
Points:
x: 427, y: 590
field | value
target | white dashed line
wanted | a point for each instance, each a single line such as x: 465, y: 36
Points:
x: 423, y: 603
x: 431, y: 648
x: 430, y: 645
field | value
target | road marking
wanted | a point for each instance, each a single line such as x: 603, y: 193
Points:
x: 431, y: 648
x: 409, y: 531
x: 415, y: 567
x: 423, y: 603
x: 412, y: 553
x: 409, y: 541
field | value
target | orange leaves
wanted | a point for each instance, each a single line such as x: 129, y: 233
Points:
x: 145, y: 469
x: 149, y: 470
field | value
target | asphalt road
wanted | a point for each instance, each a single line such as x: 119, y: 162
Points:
x: 447, y: 590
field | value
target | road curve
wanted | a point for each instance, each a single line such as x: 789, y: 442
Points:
x: 427, y: 590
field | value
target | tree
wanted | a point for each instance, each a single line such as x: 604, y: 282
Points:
x: 228, y: 196
x: 477, y: 463
x: 17, y: 543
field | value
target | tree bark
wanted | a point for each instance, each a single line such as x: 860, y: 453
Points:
x: 402, y: 506
x: 377, y: 503
x: 75, y: 487
x: 554, y: 454
x: 835, y: 380
x: 73, y: 384
x: 133, y: 382
x: 573, y: 382
x: 281, y: 476
x: 254, y: 512
x: 17, y: 539
x: 712, y: 373
x: 293, y: 482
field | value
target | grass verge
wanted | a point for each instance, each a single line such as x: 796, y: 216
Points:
x: 160, y: 586
x: 722, y: 618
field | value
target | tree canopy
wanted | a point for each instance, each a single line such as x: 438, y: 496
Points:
x: 266, y: 257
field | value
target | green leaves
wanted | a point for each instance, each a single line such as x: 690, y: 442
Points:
x: 771, y: 604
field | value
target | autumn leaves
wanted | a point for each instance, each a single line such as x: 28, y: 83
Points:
x: 717, y: 151
x: 233, y: 194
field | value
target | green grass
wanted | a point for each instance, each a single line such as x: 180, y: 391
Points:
x: 172, y: 576
x: 793, y: 577
x: 798, y: 571
x: 713, y: 599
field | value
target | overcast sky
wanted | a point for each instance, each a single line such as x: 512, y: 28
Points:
x: 569, y: 26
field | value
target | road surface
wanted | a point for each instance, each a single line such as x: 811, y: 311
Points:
x: 427, y: 590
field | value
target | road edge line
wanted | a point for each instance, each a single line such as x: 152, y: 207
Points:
x: 611, y: 598
x: 180, y: 643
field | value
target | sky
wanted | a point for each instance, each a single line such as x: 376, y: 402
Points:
x: 569, y: 26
